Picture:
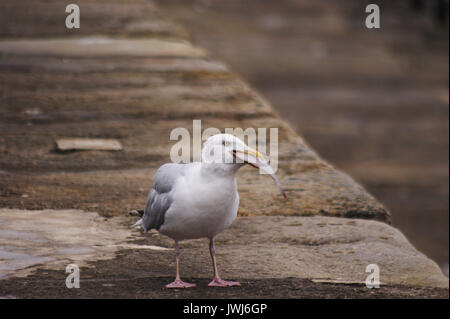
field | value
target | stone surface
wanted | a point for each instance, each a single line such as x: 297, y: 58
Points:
x: 322, y: 249
x: 139, y: 101
x: 55, y: 238
x: 44, y: 18
x: 100, y: 46
x: 71, y: 144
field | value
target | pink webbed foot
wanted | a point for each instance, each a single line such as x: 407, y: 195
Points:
x: 217, y: 282
x: 179, y: 284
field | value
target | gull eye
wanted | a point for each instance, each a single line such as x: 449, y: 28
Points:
x: 225, y: 143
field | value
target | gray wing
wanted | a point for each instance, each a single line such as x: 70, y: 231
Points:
x: 160, y: 197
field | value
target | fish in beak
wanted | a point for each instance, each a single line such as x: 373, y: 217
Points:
x: 257, y: 160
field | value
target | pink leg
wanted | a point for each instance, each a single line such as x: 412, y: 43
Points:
x: 217, y: 281
x: 178, y: 283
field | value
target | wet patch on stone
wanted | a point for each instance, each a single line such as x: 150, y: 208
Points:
x: 55, y: 238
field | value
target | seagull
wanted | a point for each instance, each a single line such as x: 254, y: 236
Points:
x: 200, y: 199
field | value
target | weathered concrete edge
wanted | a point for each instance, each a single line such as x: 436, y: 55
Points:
x: 299, y: 241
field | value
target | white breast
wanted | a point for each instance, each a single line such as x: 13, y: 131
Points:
x: 202, y: 207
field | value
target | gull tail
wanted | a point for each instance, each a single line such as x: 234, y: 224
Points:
x: 139, y: 213
x: 138, y: 223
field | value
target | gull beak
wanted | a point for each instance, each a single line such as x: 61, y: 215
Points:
x: 257, y: 160
x: 251, y: 153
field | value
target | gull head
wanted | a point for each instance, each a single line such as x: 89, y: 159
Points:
x: 229, y: 153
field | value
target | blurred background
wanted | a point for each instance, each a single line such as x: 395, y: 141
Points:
x: 373, y: 102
